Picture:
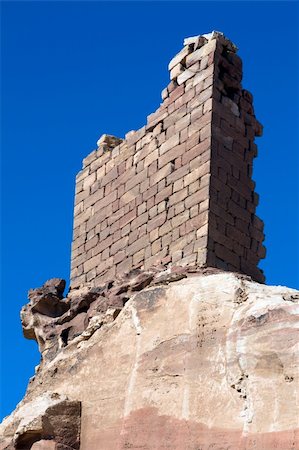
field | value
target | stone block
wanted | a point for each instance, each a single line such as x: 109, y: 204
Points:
x: 177, y: 174
x: 170, y: 143
x: 197, y: 197
x: 205, y: 50
x: 179, y: 57
x: 227, y: 255
x: 184, y: 76
x: 197, y: 222
x: 156, y: 222
x: 162, y: 197
x: 176, y: 71
x: 161, y: 174
x: 153, y: 156
x: 137, y: 245
x: 178, y: 197
x: 119, y: 245
x: 171, y: 155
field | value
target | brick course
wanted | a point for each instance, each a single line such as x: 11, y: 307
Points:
x: 179, y: 189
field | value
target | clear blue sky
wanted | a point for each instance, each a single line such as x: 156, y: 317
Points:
x: 74, y: 70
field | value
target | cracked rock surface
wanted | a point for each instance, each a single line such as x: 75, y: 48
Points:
x: 188, y: 361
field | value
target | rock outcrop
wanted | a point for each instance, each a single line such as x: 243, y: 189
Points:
x: 189, y: 361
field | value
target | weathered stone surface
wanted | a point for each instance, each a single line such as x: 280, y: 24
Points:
x: 206, y: 361
x: 108, y: 142
x: 49, y: 422
x: 54, y: 322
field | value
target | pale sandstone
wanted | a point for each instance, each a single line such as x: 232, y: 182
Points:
x: 206, y: 362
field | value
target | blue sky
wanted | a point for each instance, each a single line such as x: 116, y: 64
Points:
x: 72, y: 71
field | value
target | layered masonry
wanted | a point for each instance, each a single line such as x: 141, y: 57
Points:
x: 179, y: 190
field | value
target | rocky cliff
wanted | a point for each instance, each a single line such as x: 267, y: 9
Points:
x: 163, y: 359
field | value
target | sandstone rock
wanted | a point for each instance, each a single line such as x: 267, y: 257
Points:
x: 208, y: 361
x: 57, y: 285
x: 58, y: 428
x: 44, y: 445
x: 108, y: 142
x: 49, y: 422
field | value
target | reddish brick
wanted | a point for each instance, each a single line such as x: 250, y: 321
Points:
x: 136, y: 179
x: 119, y: 245
x: 144, y: 185
x: 176, y: 93
x: 138, y: 257
x: 102, y: 245
x: 227, y: 255
x: 197, y: 222
x: 178, y: 185
x: 105, y: 201
x: 180, y: 243
x: 179, y: 219
x: 156, y: 246
x: 156, y: 222
x: 137, y: 245
x: 200, y: 160
x: 166, y: 239
x: 163, y: 194
x: 150, y: 202
x: 170, y: 143
x: 155, y: 118
x: 177, y: 174
x: 91, y: 243
x: 194, y: 187
x: 171, y: 155
x: 160, y: 174
x: 178, y: 196
x: 129, y: 197
x: 153, y: 156
x: 81, y: 196
x: 140, y: 220
x: 162, y: 206
x: 82, y: 174
x: 110, y: 176
x: 127, y: 218
x: 197, y: 197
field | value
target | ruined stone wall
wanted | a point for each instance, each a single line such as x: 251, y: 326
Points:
x: 178, y: 190
x: 235, y: 232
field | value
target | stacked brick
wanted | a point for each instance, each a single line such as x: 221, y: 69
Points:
x: 178, y: 191
x: 235, y: 232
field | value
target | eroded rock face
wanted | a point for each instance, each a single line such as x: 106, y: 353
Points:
x: 50, y: 421
x: 54, y: 321
x: 205, y: 362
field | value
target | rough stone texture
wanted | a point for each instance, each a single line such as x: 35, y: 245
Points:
x: 53, y: 322
x: 48, y: 422
x: 205, y: 362
x: 179, y: 190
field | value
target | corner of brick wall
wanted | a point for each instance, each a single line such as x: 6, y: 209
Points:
x: 235, y: 232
